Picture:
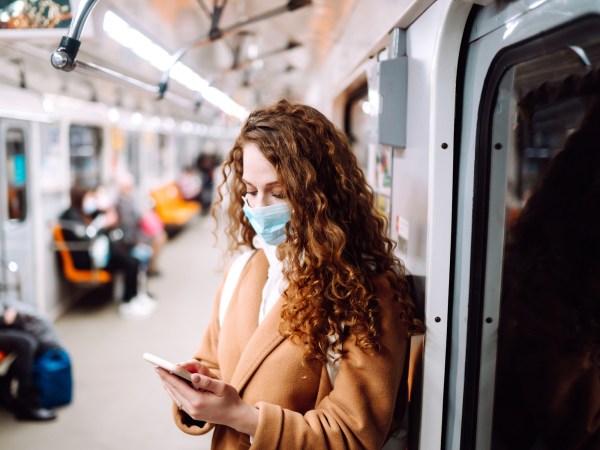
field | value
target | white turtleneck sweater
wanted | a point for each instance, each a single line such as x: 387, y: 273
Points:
x: 275, y: 284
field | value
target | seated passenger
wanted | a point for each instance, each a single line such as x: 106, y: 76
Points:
x: 82, y: 222
x: 27, y: 347
x: 207, y: 165
x: 139, y: 229
x: 190, y: 184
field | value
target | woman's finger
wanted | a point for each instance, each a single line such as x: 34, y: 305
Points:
x: 176, y: 383
x: 194, y: 366
x: 209, y: 384
x: 176, y: 396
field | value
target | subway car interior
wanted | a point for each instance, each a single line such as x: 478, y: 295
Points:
x: 476, y: 124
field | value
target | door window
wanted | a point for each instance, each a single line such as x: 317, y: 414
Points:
x: 85, y: 144
x: 541, y: 294
x: 16, y: 174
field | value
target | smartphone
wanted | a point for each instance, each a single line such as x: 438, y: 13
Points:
x: 168, y: 366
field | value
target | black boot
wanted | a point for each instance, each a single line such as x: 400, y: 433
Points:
x: 6, y: 399
x: 32, y: 413
x: 26, y: 406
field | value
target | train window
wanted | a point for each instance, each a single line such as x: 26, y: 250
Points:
x: 542, y: 270
x: 16, y: 174
x: 85, y: 144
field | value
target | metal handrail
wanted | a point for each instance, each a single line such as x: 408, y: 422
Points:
x: 64, y: 58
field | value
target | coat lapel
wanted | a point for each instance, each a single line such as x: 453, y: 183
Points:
x: 249, y: 297
x: 263, y: 341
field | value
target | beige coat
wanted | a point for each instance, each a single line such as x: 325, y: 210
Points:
x: 298, y: 409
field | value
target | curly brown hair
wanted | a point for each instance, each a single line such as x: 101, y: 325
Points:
x: 334, y: 226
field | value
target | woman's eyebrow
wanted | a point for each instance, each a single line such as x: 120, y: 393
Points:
x: 272, y: 183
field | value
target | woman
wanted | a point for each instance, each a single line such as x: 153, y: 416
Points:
x: 137, y: 231
x: 310, y: 352
x: 82, y: 222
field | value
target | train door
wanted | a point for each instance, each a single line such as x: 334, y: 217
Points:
x: 525, y: 371
x: 16, y: 239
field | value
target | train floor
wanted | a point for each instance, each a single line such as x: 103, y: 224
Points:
x: 118, y: 400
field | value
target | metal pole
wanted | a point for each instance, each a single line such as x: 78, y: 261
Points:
x: 219, y: 33
x: 65, y: 55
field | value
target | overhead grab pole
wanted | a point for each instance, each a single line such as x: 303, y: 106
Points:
x: 103, y: 72
x: 217, y: 33
x: 65, y: 56
x: 247, y: 62
x: 111, y: 74
x: 204, y: 8
x: 215, y: 19
x: 243, y: 64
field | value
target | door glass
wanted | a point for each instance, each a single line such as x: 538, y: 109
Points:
x: 85, y: 145
x: 545, y: 140
x: 16, y: 174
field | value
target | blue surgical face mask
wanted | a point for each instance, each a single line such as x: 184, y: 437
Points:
x: 90, y: 206
x: 269, y: 221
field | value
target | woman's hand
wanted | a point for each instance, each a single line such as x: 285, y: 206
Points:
x: 209, y: 399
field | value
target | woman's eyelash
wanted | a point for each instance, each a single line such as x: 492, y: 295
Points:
x: 279, y: 196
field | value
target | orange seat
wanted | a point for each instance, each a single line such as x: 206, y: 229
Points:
x: 6, y: 359
x: 72, y: 273
x: 172, y: 208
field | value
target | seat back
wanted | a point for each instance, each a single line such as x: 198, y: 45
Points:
x: 172, y: 208
x: 72, y: 273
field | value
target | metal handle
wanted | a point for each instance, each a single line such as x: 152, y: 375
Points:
x: 65, y: 55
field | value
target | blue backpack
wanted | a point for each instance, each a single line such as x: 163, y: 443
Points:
x: 53, y: 378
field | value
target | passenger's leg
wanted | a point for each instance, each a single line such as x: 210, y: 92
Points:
x: 157, y: 244
x: 133, y: 305
x: 26, y: 405
x: 121, y: 260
